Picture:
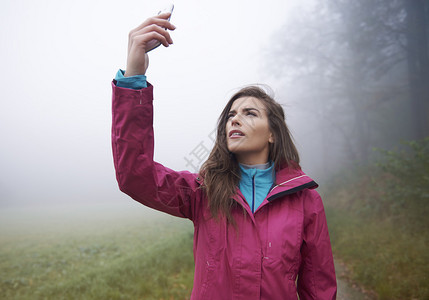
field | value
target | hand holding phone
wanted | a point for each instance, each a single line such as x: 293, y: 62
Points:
x: 154, y: 43
x: 146, y: 37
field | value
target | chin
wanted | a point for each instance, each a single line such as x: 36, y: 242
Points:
x: 234, y: 150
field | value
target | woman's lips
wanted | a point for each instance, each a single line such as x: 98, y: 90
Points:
x: 233, y: 134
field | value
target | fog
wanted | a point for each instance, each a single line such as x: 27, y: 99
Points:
x: 59, y: 58
x: 352, y: 77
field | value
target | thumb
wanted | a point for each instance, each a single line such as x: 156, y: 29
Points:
x: 146, y: 61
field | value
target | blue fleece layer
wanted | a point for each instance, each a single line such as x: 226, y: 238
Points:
x: 136, y: 82
x: 255, y: 184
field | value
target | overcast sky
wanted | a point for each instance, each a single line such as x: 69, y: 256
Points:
x: 58, y: 60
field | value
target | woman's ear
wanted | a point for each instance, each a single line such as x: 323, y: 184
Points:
x: 271, y: 139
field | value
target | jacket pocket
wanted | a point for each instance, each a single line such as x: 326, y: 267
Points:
x: 285, y: 237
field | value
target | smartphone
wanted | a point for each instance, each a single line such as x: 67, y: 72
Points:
x: 156, y: 44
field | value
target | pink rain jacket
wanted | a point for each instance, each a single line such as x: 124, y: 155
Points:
x: 281, y: 249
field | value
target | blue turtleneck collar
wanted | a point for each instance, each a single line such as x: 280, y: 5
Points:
x: 255, y: 183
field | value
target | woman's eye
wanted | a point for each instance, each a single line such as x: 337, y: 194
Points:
x: 230, y: 116
x: 251, y: 114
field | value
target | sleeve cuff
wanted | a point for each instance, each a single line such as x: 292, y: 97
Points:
x: 136, y: 82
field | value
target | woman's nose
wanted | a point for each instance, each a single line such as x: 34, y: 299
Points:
x: 235, y: 120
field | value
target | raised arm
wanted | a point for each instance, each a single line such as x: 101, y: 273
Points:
x: 137, y: 174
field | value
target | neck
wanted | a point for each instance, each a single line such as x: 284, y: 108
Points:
x: 252, y: 159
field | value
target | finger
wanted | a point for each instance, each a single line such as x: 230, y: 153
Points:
x: 146, y: 60
x: 134, y: 36
x: 160, y: 30
x: 154, y: 28
x: 144, y: 39
x: 165, y: 15
x: 163, y: 22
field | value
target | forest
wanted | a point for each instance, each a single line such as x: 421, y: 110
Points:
x: 359, y: 71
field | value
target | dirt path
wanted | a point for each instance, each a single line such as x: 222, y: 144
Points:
x: 346, y: 289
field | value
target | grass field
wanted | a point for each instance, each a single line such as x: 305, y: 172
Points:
x: 94, y: 252
x: 379, y: 226
x: 130, y: 252
x: 101, y: 252
x: 381, y: 257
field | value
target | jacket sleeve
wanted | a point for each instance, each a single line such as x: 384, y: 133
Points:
x: 316, y: 277
x: 137, y: 174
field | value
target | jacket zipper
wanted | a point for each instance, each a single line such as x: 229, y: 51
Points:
x: 253, y: 194
x: 280, y: 184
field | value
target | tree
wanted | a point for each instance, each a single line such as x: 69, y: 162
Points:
x: 353, y: 55
x: 417, y: 12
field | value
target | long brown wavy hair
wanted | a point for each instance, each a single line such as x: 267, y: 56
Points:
x: 221, y: 171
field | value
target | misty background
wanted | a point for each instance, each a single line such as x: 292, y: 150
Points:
x: 59, y: 59
x: 351, y: 76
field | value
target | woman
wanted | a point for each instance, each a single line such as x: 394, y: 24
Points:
x: 260, y: 227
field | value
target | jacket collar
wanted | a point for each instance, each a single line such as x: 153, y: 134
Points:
x: 290, y: 180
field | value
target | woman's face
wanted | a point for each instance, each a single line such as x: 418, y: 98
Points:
x: 247, y: 131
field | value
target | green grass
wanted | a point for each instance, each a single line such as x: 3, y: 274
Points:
x: 382, y: 258
x: 96, y: 253
x: 378, y: 223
